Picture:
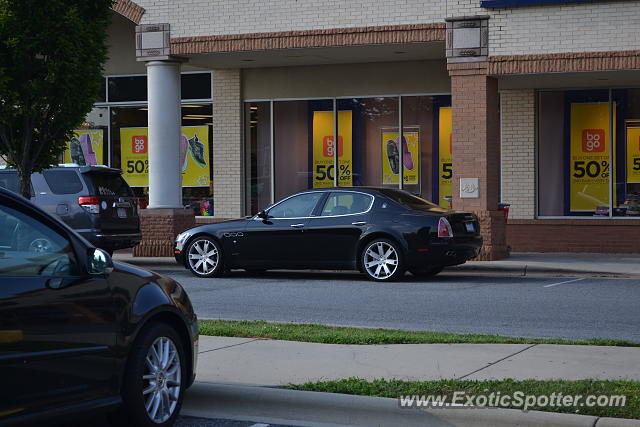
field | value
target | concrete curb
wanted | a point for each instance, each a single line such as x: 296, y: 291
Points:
x: 304, y: 408
x: 526, y: 270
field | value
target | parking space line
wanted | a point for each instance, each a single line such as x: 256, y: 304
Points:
x: 259, y: 425
x: 563, y: 283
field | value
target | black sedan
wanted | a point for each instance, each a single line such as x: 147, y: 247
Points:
x: 81, y: 333
x: 380, y: 231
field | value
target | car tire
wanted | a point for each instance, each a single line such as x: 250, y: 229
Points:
x: 138, y: 408
x: 204, y: 257
x: 382, y: 260
x: 426, y: 272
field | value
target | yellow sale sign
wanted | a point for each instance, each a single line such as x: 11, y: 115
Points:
x: 406, y: 151
x: 590, y: 168
x: 324, y: 148
x: 194, y: 156
x: 633, y: 155
x: 445, y: 159
x: 85, y: 147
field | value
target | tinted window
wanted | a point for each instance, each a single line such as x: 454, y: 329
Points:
x: 346, y: 203
x: 408, y: 200
x: 296, y: 206
x: 30, y: 248
x: 133, y: 88
x: 196, y: 86
x: 9, y: 180
x: 63, y: 181
x: 109, y: 184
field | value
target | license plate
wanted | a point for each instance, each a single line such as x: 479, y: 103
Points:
x: 122, y: 213
x: 470, y: 227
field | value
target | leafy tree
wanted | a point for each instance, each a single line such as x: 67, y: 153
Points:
x: 51, y: 56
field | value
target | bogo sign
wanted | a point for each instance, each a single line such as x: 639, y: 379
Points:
x: 592, y: 140
x: 328, y: 146
x: 139, y: 144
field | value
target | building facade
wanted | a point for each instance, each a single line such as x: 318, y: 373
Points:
x: 534, y: 103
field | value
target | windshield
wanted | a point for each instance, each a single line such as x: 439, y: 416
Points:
x: 409, y: 200
x: 110, y: 184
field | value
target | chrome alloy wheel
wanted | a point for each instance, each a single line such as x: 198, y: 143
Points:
x: 40, y: 245
x: 161, y: 380
x: 381, y: 260
x: 203, y: 257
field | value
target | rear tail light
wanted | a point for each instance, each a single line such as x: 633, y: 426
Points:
x: 444, y: 228
x: 90, y: 204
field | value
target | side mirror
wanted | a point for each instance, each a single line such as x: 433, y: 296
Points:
x: 263, y: 214
x: 99, y: 262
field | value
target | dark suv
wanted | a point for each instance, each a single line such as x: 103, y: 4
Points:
x: 93, y: 200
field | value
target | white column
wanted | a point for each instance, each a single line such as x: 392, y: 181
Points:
x: 163, y: 91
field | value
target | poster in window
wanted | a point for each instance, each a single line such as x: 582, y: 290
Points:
x: 85, y: 147
x: 590, y: 166
x: 633, y: 155
x: 407, y: 151
x: 324, y: 149
x: 445, y: 152
x: 194, y: 156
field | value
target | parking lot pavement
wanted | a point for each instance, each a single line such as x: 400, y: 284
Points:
x: 184, y: 421
x: 544, y: 307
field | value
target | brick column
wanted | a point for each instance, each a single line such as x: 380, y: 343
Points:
x: 159, y: 228
x: 228, y: 177
x: 476, y: 150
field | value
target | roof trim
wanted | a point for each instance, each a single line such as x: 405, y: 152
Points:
x: 129, y: 10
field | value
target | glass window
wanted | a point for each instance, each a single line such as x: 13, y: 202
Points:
x: 9, y: 181
x: 409, y: 200
x: 341, y: 203
x: 108, y: 184
x: 29, y: 248
x: 130, y: 88
x: 195, y: 86
x: 299, y: 206
x: 258, y: 156
x: 63, y: 181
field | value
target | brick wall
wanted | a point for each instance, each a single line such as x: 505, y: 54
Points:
x: 518, y: 151
x: 159, y: 228
x: 570, y: 235
x: 227, y: 144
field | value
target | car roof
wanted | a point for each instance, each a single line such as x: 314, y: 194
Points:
x: 81, y: 169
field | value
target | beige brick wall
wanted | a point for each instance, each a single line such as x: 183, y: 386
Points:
x: 203, y: 17
x: 227, y: 144
x: 518, y: 151
x: 579, y: 27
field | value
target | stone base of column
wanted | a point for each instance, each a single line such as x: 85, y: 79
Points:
x: 493, y: 229
x: 159, y: 229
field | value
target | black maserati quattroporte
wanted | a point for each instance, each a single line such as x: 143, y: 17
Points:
x: 380, y: 231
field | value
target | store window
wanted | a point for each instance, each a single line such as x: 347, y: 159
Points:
x: 369, y: 151
x: 589, y: 153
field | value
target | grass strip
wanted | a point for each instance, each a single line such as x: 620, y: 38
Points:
x: 584, y: 388
x: 349, y: 335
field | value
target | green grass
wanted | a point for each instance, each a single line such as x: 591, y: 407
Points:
x: 395, y: 388
x: 346, y: 335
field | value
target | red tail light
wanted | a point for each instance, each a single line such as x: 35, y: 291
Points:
x: 90, y: 204
x: 444, y: 228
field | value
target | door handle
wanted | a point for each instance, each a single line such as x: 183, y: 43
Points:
x: 359, y: 223
x: 297, y: 225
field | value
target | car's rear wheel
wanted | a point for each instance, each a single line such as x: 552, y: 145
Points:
x: 426, y: 272
x: 381, y: 260
x: 155, y: 379
x: 204, y: 257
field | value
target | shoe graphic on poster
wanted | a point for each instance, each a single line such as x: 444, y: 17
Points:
x: 75, y: 149
x: 196, y: 147
x: 87, y: 150
x: 407, y: 157
x: 393, y: 156
x: 184, y: 149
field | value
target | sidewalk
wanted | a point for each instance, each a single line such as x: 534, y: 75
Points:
x: 522, y: 264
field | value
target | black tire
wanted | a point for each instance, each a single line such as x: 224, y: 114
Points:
x: 133, y: 411
x: 205, y: 245
x: 379, y: 246
x: 426, y: 272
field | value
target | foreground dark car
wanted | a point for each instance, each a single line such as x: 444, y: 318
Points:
x: 79, y: 333
x: 379, y: 231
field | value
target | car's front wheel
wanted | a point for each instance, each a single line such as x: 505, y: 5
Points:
x: 155, y: 379
x: 381, y: 260
x: 204, y: 257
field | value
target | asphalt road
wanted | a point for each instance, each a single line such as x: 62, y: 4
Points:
x: 514, y: 306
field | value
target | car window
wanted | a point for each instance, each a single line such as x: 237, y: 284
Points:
x: 30, y: 248
x: 296, y: 207
x: 342, y: 203
x: 109, y: 184
x: 63, y: 181
x: 9, y: 181
x: 408, y: 200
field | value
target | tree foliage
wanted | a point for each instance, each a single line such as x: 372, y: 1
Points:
x: 51, y: 56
